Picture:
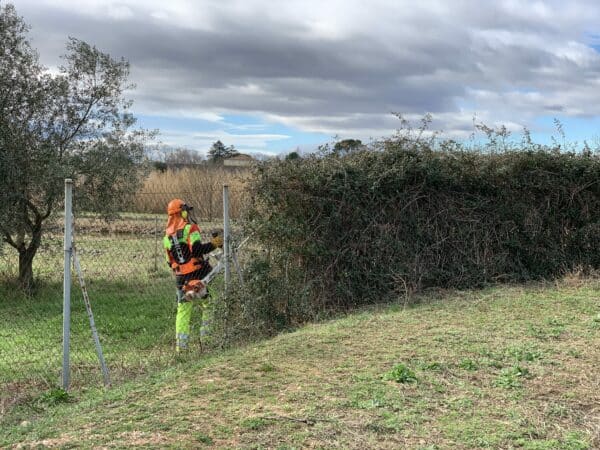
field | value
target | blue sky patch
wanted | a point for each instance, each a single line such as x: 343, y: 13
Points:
x: 249, y: 134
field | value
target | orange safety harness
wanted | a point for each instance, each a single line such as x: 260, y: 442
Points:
x: 191, y: 266
x: 179, y: 263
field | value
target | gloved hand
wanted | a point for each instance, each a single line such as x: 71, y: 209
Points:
x: 217, y: 241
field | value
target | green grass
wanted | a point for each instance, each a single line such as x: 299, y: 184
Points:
x: 136, y: 329
x: 132, y: 293
x: 504, y: 367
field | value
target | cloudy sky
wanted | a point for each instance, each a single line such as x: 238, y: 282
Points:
x: 271, y: 76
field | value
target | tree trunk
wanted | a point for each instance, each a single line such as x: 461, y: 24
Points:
x: 26, y: 255
x: 26, y: 270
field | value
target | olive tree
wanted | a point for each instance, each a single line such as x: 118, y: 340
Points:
x: 71, y: 123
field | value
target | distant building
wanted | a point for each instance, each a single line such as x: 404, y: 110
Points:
x: 240, y: 160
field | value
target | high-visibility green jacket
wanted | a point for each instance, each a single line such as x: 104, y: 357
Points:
x: 185, y: 250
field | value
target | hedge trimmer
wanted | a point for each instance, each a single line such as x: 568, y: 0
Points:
x: 198, y: 288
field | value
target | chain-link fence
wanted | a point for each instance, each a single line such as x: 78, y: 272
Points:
x: 131, y: 291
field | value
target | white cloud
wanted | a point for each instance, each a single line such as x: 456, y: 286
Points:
x: 119, y: 12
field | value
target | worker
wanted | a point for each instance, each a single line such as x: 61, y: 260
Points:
x: 185, y: 256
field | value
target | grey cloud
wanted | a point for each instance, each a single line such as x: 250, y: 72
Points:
x: 424, y: 63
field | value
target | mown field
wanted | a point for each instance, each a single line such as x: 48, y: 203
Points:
x: 503, y: 367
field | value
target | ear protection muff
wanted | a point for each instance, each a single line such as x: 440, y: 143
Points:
x: 185, y: 209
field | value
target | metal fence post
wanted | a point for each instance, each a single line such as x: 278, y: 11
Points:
x: 67, y: 282
x: 226, y: 239
x: 155, y: 243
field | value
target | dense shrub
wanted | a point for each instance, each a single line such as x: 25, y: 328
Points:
x: 344, y: 230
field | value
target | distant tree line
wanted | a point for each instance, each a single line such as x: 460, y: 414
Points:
x: 185, y: 157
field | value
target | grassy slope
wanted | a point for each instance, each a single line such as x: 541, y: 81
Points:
x: 501, y: 368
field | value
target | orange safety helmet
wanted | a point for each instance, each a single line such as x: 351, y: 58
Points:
x: 178, y: 212
x: 176, y: 206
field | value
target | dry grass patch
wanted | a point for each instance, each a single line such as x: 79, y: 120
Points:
x: 201, y: 187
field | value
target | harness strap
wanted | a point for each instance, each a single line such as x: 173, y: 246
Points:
x: 191, y: 266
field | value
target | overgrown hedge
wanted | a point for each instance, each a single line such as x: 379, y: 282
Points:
x: 344, y: 230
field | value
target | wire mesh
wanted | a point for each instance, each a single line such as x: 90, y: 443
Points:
x: 132, y: 294
x: 31, y: 325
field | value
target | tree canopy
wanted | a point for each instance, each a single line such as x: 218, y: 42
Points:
x: 71, y: 124
x: 218, y: 151
x: 346, y: 146
x: 184, y: 156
